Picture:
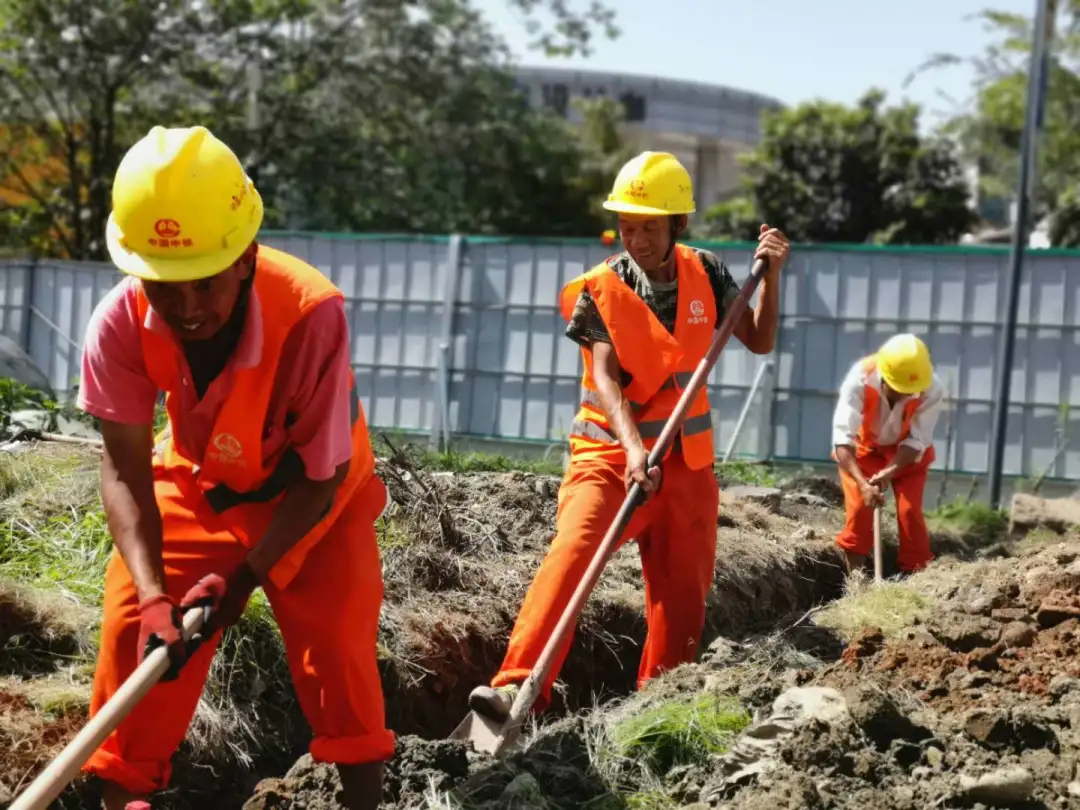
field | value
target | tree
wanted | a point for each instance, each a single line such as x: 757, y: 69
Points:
x: 828, y: 173
x: 989, y: 126
x: 373, y: 113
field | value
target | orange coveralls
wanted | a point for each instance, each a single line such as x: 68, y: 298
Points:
x: 857, y: 536
x: 676, y: 529
x: 326, y: 592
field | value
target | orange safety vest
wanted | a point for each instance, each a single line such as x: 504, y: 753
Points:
x: 660, y: 364
x: 238, y: 485
x: 866, y: 442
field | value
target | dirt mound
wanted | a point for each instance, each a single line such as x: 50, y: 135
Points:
x: 458, y: 551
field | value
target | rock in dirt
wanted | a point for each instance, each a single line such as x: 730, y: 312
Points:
x: 769, y: 497
x: 755, y: 752
x: 1006, y: 786
x: 880, y: 719
x: 969, y: 634
x: 1007, y: 615
x: 1059, y: 606
x: 1017, y: 635
x: 1029, y: 512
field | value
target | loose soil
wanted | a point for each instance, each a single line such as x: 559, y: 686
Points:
x: 983, y: 678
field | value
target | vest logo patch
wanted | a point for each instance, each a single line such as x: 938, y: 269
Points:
x: 697, y: 313
x: 227, y: 450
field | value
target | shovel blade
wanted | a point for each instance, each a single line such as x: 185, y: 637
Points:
x: 486, y: 735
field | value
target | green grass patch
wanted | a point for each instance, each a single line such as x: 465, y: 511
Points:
x: 682, y: 731
x: 892, y: 606
x: 963, y: 519
x: 452, y: 460
x: 749, y: 473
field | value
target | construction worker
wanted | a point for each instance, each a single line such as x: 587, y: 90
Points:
x: 883, y: 434
x: 644, y: 320
x: 264, y: 476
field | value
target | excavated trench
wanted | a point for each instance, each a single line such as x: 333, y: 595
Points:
x: 458, y: 553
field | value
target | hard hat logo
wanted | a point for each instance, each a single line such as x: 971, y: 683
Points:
x: 167, y: 228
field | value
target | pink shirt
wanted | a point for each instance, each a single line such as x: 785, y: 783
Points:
x: 312, y: 384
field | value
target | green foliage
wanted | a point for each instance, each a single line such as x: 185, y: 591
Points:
x: 681, y: 731
x: 15, y: 396
x: 393, y: 115
x: 990, y: 126
x: 453, y: 460
x: 747, y: 472
x: 829, y: 173
x: 974, y: 519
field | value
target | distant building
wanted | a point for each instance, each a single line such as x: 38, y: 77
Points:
x: 704, y: 125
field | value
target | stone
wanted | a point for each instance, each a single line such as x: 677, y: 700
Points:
x: 1059, y: 606
x: 1004, y: 786
x: 769, y: 497
x: 1007, y: 615
x: 1029, y: 512
x: 1062, y: 685
x: 1017, y: 635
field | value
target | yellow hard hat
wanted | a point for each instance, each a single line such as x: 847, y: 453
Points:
x: 183, y: 208
x: 653, y: 183
x: 904, y: 364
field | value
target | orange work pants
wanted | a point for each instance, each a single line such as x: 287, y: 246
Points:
x: 676, y: 537
x: 857, y: 536
x: 328, y: 616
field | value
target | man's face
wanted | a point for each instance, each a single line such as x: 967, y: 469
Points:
x: 197, y: 310
x: 647, y: 238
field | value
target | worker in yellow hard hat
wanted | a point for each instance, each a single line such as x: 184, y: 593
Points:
x: 264, y: 476
x: 644, y: 319
x: 883, y: 435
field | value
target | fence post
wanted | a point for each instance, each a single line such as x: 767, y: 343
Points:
x: 440, y: 419
x: 767, y: 413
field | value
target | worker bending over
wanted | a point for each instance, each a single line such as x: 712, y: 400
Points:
x: 264, y: 476
x: 883, y: 433
x: 644, y: 319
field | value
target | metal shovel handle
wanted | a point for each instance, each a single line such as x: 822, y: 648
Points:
x: 51, y: 782
x: 530, y: 690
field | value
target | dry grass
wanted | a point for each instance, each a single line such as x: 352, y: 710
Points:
x: 891, y: 606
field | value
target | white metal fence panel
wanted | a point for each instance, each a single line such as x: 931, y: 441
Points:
x: 482, y: 314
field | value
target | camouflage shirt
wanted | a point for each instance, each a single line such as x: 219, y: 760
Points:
x: 586, y: 325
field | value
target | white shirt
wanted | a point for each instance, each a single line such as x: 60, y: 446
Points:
x: 848, y: 416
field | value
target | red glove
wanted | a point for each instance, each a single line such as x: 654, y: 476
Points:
x: 159, y: 623
x: 225, y: 598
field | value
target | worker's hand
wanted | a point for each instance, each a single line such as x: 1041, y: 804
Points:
x: 871, y: 495
x: 883, y: 478
x: 159, y: 623
x: 225, y: 598
x: 635, y: 472
x: 774, y: 247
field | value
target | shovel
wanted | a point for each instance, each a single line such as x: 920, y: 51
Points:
x: 62, y: 770
x: 492, y: 737
x: 877, y: 546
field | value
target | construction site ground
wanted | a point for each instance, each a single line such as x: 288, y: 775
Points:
x: 957, y: 687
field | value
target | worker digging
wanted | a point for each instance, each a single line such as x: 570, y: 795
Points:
x: 644, y: 320
x: 264, y: 476
x: 883, y: 435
